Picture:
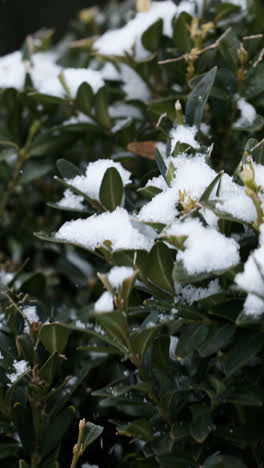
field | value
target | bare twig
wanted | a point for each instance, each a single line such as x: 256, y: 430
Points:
x: 254, y: 36
x: 197, y: 52
x: 256, y: 146
x: 259, y: 59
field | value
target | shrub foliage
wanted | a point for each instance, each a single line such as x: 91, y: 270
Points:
x: 132, y: 282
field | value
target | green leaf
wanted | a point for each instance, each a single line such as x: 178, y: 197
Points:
x: 181, y: 33
x: 68, y: 170
x: 254, y: 83
x: 140, y: 429
x: 111, y: 190
x: 225, y: 9
x: 246, y: 398
x: 179, y: 431
x: 54, y: 337
x: 34, y: 170
x: 202, y: 423
x: 223, y: 461
x: 34, y: 284
x: 207, y: 193
x: 242, y: 352
x: 149, y: 191
x: 25, y: 347
x: 101, y: 109
x: 142, y: 340
x: 190, y: 339
x: 59, y: 425
x: 151, y: 37
x: 160, y: 163
x: 198, y: 98
x: 228, y: 48
x: 218, y: 337
x: 90, y: 434
x: 160, y: 265
x: 115, y: 325
x: 49, y: 370
x: 84, y: 98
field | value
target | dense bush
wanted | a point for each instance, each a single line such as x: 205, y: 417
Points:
x: 138, y: 304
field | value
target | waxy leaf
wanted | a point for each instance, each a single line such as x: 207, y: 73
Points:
x: 111, y: 190
x: 198, y: 98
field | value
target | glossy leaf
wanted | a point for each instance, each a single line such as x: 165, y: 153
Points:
x: 198, y: 98
x: 191, y: 338
x: 111, y: 190
x: 54, y: 337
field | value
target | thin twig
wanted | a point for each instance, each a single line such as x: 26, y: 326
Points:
x: 197, y: 52
x: 160, y: 119
x: 259, y: 59
x: 254, y: 36
x: 256, y: 146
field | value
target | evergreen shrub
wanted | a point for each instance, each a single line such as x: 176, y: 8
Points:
x: 132, y: 240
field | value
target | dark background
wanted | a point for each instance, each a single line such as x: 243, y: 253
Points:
x: 21, y: 17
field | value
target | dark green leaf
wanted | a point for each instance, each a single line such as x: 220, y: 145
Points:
x: 181, y: 33
x: 90, y: 434
x: 160, y: 265
x: 198, y: 98
x: 160, y: 163
x: 59, y: 424
x: 139, y: 429
x: 68, y: 170
x: 54, y: 337
x: 101, y: 108
x: 84, y: 98
x: 190, y: 339
x: 218, y: 337
x: 111, y: 190
x: 151, y: 37
x: 49, y: 370
x: 242, y: 352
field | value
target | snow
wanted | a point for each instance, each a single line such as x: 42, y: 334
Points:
x: 206, y: 250
x: 123, y: 40
x: 248, y: 114
x: 183, y: 134
x: 20, y: 368
x: 133, y: 85
x: 43, y: 68
x: 241, y: 3
x: 30, y: 312
x: 5, y: 278
x: 259, y: 174
x: 12, y: 71
x: 253, y: 306
x: 121, y: 109
x: 234, y: 201
x: 250, y: 279
x: 157, y: 182
x: 71, y: 200
x: 78, y: 119
x: 115, y: 227
x: 104, y: 303
x: 90, y: 183
x: 117, y: 275
x: 73, y: 77
x: 161, y: 209
x: 191, y: 294
x: 192, y: 176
